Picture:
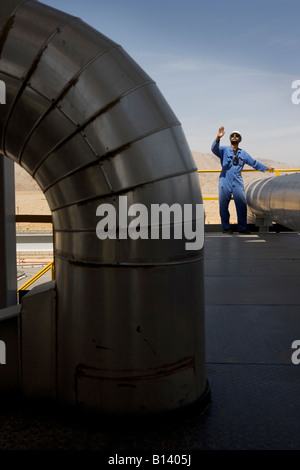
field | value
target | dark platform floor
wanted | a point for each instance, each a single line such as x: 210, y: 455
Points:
x: 252, y: 318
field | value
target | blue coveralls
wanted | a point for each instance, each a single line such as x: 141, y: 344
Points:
x: 231, y: 182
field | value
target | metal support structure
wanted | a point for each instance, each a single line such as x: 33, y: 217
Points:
x: 8, y: 269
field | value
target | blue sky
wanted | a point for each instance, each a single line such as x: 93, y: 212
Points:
x: 217, y: 63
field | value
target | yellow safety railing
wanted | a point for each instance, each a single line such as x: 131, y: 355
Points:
x: 38, y: 275
x: 276, y: 171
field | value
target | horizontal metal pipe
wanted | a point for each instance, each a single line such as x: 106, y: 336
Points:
x: 276, y: 198
x: 90, y: 125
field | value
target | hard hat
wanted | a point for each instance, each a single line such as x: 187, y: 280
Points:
x: 235, y: 132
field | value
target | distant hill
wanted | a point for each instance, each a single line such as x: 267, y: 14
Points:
x: 204, y: 161
x: 209, y: 181
x: 31, y: 200
x: 24, y: 181
x: 209, y: 161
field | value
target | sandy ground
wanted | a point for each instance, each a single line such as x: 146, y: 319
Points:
x: 35, y: 203
x: 31, y: 200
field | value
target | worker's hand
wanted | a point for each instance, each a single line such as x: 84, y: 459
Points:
x: 220, y: 133
x: 271, y: 169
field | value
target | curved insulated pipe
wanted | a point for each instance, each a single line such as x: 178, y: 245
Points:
x: 278, y: 199
x: 90, y: 126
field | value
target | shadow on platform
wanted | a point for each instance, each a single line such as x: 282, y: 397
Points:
x: 252, y: 318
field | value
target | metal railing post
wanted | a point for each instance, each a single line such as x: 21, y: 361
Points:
x: 8, y: 261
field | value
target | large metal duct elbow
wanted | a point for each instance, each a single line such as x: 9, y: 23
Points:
x: 277, y: 199
x: 92, y: 128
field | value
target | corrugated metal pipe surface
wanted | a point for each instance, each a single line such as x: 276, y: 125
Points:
x: 92, y: 128
x: 277, y: 198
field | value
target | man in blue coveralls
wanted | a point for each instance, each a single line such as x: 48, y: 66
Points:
x: 231, y: 182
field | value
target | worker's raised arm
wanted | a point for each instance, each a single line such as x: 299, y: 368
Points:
x: 220, y: 134
x: 216, y: 142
